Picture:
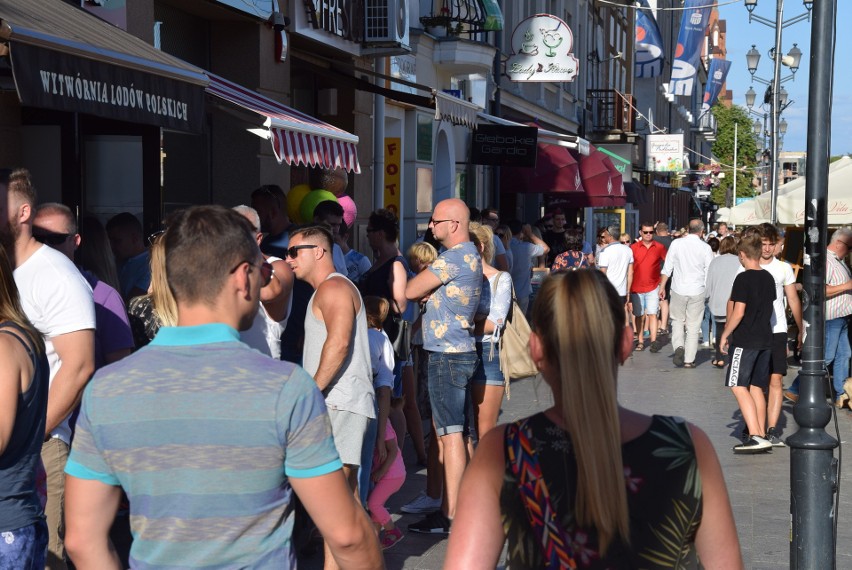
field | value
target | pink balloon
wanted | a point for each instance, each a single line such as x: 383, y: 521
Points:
x: 350, y: 210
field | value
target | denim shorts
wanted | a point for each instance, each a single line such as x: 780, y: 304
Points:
x: 487, y: 369
x: 449, y: 376
x: 650, y: 301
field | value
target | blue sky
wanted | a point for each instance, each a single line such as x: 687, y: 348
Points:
x: 741, y: 35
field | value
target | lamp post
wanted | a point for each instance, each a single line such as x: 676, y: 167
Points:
x: 791, y: 60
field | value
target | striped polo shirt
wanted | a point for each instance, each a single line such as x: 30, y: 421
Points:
x: 203, y: 433
x: 837, y: 273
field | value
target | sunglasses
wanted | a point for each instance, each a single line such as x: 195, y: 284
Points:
x: 51, y: 238
x: 647, y: 233
x: 626, y: 242
x: 266, y: 271
x: 152, y: 239
x: 293, y: 250
x: 500, y: 234
x: 436, y: 222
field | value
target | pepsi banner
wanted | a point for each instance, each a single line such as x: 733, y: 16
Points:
x: 693, y: 25
x: 715, y: 80
x: 649, y: 58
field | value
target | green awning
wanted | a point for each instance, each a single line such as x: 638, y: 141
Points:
x: 493, y: 16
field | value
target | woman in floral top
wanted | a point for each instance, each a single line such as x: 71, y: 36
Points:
x: 573, y: 257
x: 587, y: 483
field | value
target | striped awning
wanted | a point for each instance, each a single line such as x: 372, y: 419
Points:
x: 296, y: 138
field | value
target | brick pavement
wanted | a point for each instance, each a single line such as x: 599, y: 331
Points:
x: 759, y: 485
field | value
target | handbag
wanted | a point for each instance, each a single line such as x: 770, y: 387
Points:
x: 514, y: 340
x: 402, y: 342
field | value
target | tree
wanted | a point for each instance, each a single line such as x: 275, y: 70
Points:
x: 723, y: 150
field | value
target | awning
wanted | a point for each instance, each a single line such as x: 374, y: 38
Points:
x: 556, y: 171
x: 601, y: 181
x: 636, y: 192
x: 575, y: 142
x: 454, y: 110
x: 66, y: 59
x: 296, y: 138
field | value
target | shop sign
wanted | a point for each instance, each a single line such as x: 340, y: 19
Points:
x: 622, y: 158
x: 334, y: 17
x: 541, y: 51
x: 500, y: 145
x: 404, y: 67
x: 393, y: 167
x: 53, y: 80
x: 664, y: 153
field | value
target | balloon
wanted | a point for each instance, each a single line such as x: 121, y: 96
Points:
x: 310, y: 202
x: 294, y: 200
x: 350, y: 210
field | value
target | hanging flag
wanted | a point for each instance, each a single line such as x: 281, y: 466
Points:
x: 716, y: 79
x: 693, y: 25
x: 649, y: 43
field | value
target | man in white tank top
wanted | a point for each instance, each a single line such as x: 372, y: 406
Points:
x: 337, y: 348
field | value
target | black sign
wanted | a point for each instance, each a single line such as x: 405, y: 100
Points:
x: 53, y: 80
x: 499, y: 145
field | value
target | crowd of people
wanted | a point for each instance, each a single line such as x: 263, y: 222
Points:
x: 205, y: 396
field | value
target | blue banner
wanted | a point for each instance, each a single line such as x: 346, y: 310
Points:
x: 690, y: 40
x: 649, y: 43
x: 715, y: 80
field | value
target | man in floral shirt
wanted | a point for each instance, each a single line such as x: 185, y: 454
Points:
x: 452, y: 284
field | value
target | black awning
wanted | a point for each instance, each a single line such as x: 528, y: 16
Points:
x: 66, y: 59
x: 636, y: 192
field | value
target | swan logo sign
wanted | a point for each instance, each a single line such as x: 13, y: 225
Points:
x: 541, y: 51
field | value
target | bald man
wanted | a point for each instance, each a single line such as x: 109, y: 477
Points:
x: 451, y: 288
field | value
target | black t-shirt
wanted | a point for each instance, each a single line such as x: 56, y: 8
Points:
x: 556, y: 242
x: 755, y: 288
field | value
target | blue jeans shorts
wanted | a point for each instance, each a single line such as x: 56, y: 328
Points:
x: 649, y: 302
x: 487, y: 371
x: 24, y: 548
x: 449, y: 376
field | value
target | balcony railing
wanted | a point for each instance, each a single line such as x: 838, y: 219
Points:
x: 457, y: 17
x: 612, y: 111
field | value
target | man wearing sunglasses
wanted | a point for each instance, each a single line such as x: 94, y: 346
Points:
x: 209, y: 438
x: 648, y: 257
x: 127, y: 240
x: 337, y: 348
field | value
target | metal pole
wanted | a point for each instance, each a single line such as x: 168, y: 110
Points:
x: 379, y: 142
x: 736, y: 127
x: 813, y: 469
x: 495, y: 110
x: 776, y: 84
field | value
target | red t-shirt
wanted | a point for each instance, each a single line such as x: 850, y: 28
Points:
x: 647, y: 266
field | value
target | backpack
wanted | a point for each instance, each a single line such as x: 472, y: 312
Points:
x: 514, y: 340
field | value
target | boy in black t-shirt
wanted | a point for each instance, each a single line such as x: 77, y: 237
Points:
x: 748, y: 338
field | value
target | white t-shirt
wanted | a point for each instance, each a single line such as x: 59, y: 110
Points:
x: 265, y: 333
x: 616, y: 258
x: 783, y: 275
x: 381, y: 359
x: 57, y: 300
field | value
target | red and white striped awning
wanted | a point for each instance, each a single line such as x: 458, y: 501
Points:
x: 296, y: 138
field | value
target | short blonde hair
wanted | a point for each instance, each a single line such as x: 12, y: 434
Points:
x: 484, y: 238
x: 422, y: 253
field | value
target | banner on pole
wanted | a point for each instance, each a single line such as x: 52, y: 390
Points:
x: 716, y: 79
x: 649, y: 58
x: 693, y: 25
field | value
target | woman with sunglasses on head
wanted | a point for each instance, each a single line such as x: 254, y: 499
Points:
x: 626, y: 490
x: 157, y: 308
x: 23, y: 411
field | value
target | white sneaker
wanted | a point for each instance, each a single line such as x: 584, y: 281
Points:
x: 421, y: 504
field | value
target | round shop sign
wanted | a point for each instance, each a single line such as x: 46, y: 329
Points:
x: 541, y: 51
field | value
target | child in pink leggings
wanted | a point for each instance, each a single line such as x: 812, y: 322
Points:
x: 388, y: 477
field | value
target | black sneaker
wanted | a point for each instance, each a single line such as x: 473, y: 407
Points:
x: 755, y: 444
x: 745, y: 436
x: 433, y: 523
x: 772, y: 437
x: 678, y: 356
x: 656, y: 346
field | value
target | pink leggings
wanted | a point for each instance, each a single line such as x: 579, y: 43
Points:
x: 386, y: 487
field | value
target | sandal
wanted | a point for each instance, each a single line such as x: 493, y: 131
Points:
x: 718, y: 363
x: 639, y: 347
x: 689, y: 365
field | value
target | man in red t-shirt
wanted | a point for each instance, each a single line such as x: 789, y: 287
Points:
x: 647, y: 257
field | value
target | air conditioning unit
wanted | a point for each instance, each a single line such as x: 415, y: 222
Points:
x: 386, y: 25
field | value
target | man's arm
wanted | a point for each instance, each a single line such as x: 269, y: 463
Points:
x: 532, y: 238
x: 335, y: 303
x: 422, y: 285
x: 795, y: 307
x: 90, y: 508
x: 629, y: 280
x: 834, y: 290
x: 398, y: 280
x: 342, y: 522
x: 76, y: 351
x: 276, y: 296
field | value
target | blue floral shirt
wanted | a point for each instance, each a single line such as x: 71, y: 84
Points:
x: 448, y: 321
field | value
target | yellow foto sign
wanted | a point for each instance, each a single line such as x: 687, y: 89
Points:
x: 393, y: 166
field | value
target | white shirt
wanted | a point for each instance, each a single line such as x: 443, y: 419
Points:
x: 616, y: 258
x: 57, y: 300
x: 783, y: 275
x: 688, y: 258
x: 523, y: 253
x: 381, y: 359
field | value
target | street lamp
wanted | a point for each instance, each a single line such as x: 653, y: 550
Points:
x: 752, y: 58
x: 757, y: 127
x: 782, y: 127
x: 750, y: 96
x: 782, y: 98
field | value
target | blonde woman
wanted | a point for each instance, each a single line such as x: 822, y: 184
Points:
x: 158, y: 308
x: 487, y: 382
x: 627, y: 490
